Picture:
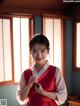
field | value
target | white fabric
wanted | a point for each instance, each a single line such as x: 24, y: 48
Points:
x: 37, y: 75
x: 61, y: 88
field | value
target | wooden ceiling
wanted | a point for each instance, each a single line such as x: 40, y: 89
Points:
x: 33, y: 4
x: 38, y: 5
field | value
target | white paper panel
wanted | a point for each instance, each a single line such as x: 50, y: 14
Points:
x: 78, y: 46
x: 48, y: 31
x: 16, y: 43
x: 57, y: 42
x: 25, y: 43
x: 1, y: 53
x: 52, y: 29
x: 7, y: 50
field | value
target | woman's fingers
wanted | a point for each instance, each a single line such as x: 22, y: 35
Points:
x: 38, y: 88
x: 31, y: 80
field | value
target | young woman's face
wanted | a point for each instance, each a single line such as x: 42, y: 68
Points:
x: 39, y: 53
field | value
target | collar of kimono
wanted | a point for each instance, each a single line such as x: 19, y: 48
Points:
x: 44, y: 68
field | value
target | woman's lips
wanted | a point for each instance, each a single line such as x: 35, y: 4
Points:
x: 38, y: 59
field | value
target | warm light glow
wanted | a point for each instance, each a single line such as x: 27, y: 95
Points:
x: 1, y: 53
x: 25, y: 43
x: 21, y: 46
x: 48, y: 31
x: 78, y: 46
x: 57, y: 42
x: 16, y: 43
x: 5, y: 51
x: 52, y: 29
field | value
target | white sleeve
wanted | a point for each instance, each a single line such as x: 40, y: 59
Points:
x: 61, y: 88
x: 20, y: 88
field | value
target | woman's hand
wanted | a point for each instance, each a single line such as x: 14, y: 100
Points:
x: 31, y: 81
x: 38, y: 88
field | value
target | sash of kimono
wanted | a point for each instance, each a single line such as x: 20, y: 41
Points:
x: 46, y: 77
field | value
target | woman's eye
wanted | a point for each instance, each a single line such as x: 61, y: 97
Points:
x: 42, y: 50
x: 34, y: 51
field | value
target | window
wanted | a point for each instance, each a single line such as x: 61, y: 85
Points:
x: 52, y: 29
x: 20, y: 46
x: 5, y: 51
x: 14, y: 47
x: 76, y: 46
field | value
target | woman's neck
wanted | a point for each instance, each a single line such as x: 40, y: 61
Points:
x: 39, y: 66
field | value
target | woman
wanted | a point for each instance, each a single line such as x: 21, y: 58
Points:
x: 42, y: 84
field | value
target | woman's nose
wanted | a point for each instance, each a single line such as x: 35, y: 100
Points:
x: 39, y: 53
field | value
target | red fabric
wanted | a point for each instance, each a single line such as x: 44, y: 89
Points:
x: 48, y: 82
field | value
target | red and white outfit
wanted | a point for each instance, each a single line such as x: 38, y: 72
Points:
x: 51, y: 80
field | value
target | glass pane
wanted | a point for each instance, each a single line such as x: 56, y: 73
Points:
x: 48, y: 31
x: 16, y: 44
x: 1, y: 53
x: 78, y: 46
x: 25, y: 43
x: 7, y: 49
x: 57, y: 42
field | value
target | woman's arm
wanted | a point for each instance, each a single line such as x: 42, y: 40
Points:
x: 61, y: 88
x: 24, y: 93
x: 23, y: 90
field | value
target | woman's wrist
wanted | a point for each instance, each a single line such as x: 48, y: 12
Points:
x: 28, y: 86
x: 44, y: 93
x: 50, y: 95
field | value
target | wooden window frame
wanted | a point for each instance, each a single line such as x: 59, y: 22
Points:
x: 31, y: 30
x: 63, y: 43
x: 10, y: 81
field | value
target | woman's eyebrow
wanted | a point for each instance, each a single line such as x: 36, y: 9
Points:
x: 39, y: 49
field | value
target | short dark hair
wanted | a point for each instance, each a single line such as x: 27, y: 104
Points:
x: 40, y: 39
